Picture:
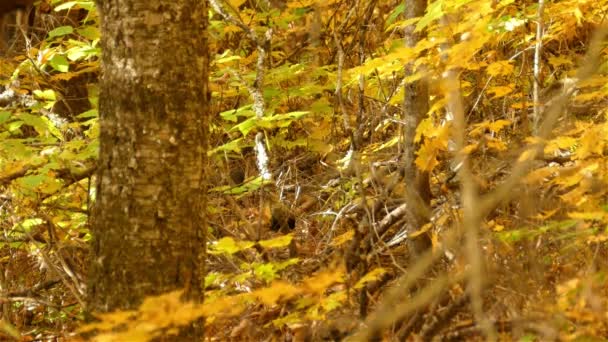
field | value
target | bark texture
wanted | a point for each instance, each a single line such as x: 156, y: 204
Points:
x: 148, y: 221
x: 415, y: 108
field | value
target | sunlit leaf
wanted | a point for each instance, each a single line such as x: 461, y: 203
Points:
x: 278, y: 242
x: 500, y: 91
x: 426, y: 159
x: 321, y: 281
x: 433, y: 12
x: 4, y: 116
x: 590, y: 215
x: 276, y: 291
x: 228, y: 245
x: 59, y: 63
x: 373, y: 275
x: 61, y: 31
x: 343, y: 238
x: 501, y: 68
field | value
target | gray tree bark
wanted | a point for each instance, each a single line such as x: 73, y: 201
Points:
x: 148, y: 221
x: 415, y: 108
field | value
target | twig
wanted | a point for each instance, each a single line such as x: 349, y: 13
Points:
x: 537, y: 52
x: 430, y: 329
x: 32, y: 290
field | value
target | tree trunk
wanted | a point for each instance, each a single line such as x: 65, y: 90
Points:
x: 415, y: 108
x: 148, y: 222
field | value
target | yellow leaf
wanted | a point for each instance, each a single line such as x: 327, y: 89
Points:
x: 498, y: 227
x: 236, y: 3
x: 110, y: 321
x: 343, y: 238
x: 544, y: 215
x: 590, y: 96
x: 559, y: 143
x: 301, y: 3
x: 557, y: 61
x: 278, y: 242
x: 496, y: 145
x: 527, y: 155
x: 438, y: 106
x: 373, y: 275
x: 10, y: 330
x: 424, y: 129
x: 421, y: 231
x: 413, y: 77
x: 538, y: 176
x: 521, y: 105
x: 427, y: 158
x: 579, y: 15
x: 500, y: 68
x: 498, y: 125
x: 575, y: 197
x: 231, y: 29
x: 321, y: 281
x: 379, y: 147
x: 483, y: 127
x: 319, y: 146
x: 469, y: 149
x: 278, y: 290
x: 593, y: 215
x: 229, y: 245
x: 500, y: 91
x: 590, y: 145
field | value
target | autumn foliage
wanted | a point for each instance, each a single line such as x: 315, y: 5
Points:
x: 515, y: 144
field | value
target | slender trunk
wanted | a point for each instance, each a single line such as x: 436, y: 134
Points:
x: 415, y: 108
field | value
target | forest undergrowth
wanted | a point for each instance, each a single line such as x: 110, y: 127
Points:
x: 513, y: 148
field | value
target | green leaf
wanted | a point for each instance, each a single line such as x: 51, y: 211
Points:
x: 47, y: 94
x: 289, y: 262
x: 61, y: 31
x: 32, y: 182
x: 82, y: 50
x: 60, y: 63
x: 395, y: 13
x: 247, y: 187
x: 246, y: 126
x: 234, y: 114
x: 35, y: 121
x: 231, y: 146
x: 287, y: 116
x: 266, y: 272
x: 433, y: 12
x: 27, y: 224
x: 88, y: 114
x: 227, y: 59
x: 40, y: 183
x: 269, y: 271
x: 89, y: 32
x: 4, y: 116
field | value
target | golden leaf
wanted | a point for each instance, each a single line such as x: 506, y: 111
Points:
x: 321, y: 281
x: 500, y: 91
x: 343, y: 238
x: 373, y: 275
x: 278, y: 290
x: 500, y: 68
x: 427, y: 158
